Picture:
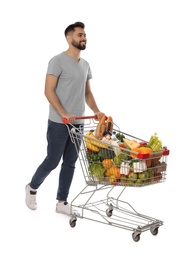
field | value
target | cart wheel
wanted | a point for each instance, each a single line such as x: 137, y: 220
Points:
x: 136, y: 237
x: 154, y: 231
x: 72, y: 222
x: 109, y: 212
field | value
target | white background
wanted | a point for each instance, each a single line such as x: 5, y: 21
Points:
x: 138, y: 55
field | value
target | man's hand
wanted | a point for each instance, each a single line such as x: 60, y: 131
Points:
x: 99, y: 115
x: 70, y: 118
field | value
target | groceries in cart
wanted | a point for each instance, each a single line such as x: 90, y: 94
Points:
x: 115, y: 157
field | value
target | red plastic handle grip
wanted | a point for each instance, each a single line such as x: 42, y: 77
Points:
x: 65, y: 120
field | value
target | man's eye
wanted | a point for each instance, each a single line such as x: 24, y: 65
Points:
x: 81, y: 35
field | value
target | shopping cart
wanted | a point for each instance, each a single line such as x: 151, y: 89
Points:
x: 110, y: 169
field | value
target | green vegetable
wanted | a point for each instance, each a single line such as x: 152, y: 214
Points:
x: 93, y: 157
x: 154, y: 143
x: 124, y: 157
x: 118, y: 159
x: 120, y: 137
x: 97, y: 170
x: 106, y: 153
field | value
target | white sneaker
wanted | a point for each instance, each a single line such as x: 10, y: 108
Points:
x: 65, y: 208
x: 30, y: 199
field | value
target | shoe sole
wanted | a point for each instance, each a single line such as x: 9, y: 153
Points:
x: 65, y: 213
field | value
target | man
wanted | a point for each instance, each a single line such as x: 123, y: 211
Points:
x: 67, y: 88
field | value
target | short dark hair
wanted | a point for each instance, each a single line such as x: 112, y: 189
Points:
x: 71, y: 27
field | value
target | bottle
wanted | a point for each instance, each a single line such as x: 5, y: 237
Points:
x: 114, y: 138
x: 114, y: 142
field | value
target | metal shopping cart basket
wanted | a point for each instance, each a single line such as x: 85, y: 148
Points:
x: 112, y: 168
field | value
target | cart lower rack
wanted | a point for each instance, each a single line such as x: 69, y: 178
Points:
x: 115, y: 212
x: 112, y: 168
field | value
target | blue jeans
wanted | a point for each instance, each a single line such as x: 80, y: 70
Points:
x: 59, y: 147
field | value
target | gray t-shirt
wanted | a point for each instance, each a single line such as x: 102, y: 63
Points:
x: 72, y: 77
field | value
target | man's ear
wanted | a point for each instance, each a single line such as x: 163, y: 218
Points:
x: 68, y: 38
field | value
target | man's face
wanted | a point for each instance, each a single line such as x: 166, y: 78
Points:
x: 78, y: 39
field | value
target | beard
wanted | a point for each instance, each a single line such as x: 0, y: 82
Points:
x: 79, y: 45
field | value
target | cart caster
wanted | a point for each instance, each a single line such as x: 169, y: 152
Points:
x: 109, y: 211
x: 136, y: 236
x: 72, y: 222
x: 154, y: 231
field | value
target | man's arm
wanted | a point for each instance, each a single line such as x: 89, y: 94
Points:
x: 50, y: 85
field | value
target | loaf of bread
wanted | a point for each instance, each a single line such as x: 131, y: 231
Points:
x: 105, y: 125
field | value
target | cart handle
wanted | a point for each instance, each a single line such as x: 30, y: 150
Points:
x: 65, y: 120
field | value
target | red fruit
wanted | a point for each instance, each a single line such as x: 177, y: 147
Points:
x: 143, y: 143
x: 157, y: 176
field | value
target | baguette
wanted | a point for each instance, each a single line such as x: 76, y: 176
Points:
x: 100, y: 129
x: 109, y: 125
x: 104, y: 126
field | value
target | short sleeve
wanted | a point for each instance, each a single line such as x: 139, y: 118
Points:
x: 54, y: 67
x: 89, y: 76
